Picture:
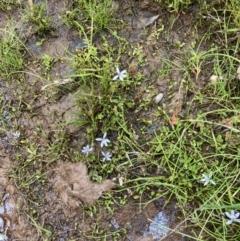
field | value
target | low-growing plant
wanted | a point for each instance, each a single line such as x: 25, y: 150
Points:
x: 11, y: 52
x: 191, y: 159
x: 37, y: 14
x: 175, y: 5
x: 100, y: 13
x: 9, y: 4
x: 102, y: 96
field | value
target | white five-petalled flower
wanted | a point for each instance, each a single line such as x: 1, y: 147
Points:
x: 233, y: 217
x: 104, y: 140
x: 120, y: 74
x: 106, y: 156
x: 86, y: 149
x: 16, y: 135
x: 207, y: 179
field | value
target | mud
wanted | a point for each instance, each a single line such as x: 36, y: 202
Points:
x: 60, y: 203
x: 152, y: 223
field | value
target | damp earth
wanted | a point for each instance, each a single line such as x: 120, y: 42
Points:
x: 48, y: 188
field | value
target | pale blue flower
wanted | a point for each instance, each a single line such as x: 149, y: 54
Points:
x: 86, y: 149
x: 120, y: 74
x: 233, y: 217
x: 104, y: 140
x: 106, y: 156
x: 4, y: 139
x: 207, y: 179
x: 3, y: 237
x: 16, y: 135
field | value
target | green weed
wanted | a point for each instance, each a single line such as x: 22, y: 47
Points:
x: 11, y: 53
x: 175, y: 5
x: 175, y: 160
x: 100, y: 13
x: 9, y: 4
x: 37, y: 14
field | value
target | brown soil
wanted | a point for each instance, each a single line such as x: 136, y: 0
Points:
x: 62, y: 206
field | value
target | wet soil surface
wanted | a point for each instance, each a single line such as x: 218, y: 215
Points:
x: 60, y: 203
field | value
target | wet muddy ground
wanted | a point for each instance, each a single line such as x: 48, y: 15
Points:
x: 60, y: 205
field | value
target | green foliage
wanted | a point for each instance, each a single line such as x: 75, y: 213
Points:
x: 99, y: 11
x: 37, y: 14
x: 103, y: 101
x: 47, y: 61
x: 175, y: 5
x: 172, y: 163
x: 168, y: 162
x: 234, y: 10
x: 91, y: 13
x: 9, y: 4
x: 11, y: 52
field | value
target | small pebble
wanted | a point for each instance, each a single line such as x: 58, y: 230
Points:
x: 238, y: 72
x: 213, y: 79
x: 159, y: 97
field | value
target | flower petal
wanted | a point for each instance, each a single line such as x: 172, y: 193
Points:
x: 117, y: 69
x: 214, y: 183
x: 228, y: 214
x: 98, y: 139
x: 115, y: 77
x: 237, y: 215
x: 228, y: 222
x: 237, y: 220
x: 203, y: 179
x: 105, y: 142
